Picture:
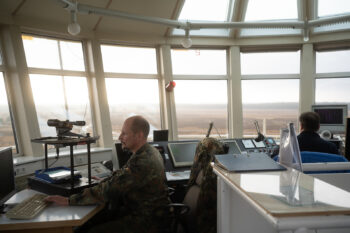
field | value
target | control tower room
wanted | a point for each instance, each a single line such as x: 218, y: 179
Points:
x: 238, y: 71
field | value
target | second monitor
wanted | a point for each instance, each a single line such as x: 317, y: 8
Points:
x: 182, y: 153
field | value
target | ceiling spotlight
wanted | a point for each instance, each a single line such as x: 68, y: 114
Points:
x: 187, y: 42
x: 73, y: 27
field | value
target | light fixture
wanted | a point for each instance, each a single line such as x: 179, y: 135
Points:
x: 74, y: 27
x: 187, y: 42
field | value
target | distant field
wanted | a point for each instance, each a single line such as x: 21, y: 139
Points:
x: 193, y: 120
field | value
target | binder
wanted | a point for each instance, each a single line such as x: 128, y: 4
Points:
x: 250, y: 162
x: 57, y: 175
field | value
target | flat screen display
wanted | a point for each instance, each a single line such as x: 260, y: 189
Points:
x: 330, y: 116
x: 7, y: 175
x: 248, y: 144
x: 182, y: 153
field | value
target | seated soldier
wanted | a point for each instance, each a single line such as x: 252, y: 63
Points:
x: 309, y: 139
x: 133, y: 194
x: 201, y: 194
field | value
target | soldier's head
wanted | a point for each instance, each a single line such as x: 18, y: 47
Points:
x: 134, y: 133
x: 309, y: 121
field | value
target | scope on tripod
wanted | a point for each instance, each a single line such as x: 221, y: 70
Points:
x: 63, y: 128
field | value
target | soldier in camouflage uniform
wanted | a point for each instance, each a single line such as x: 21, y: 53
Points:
x: 206, y: 203
x: 134, y: 194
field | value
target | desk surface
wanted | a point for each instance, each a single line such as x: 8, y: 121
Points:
x: 289, y: 193
x: 53, y: 216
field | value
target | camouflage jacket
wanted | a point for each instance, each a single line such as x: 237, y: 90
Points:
x: 137, y: 189
x: 206, y: 203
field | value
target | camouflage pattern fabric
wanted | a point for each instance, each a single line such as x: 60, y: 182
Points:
x: 206, y: 204
x: 133, y: 193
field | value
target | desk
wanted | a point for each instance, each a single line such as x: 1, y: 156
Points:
x: 53, y: 219
x: 283, y: 201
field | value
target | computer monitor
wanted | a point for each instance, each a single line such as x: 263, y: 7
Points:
x: 160, y: 135
x: 122, y: 155
x: 332, y: 117
x: 182, y: 153
x: 7, y: 176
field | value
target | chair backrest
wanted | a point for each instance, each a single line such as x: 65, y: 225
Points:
x: 319, y: 157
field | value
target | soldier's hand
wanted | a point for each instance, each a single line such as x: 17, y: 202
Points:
x: 59, y: 200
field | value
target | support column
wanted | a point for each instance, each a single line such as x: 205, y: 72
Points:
x: 97, y: 86
x: 307, y: 78
x: 235, y: 112
x: 21, y: 96
x: 169, y: 104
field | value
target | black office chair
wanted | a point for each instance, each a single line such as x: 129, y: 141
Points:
x: 174, y: 216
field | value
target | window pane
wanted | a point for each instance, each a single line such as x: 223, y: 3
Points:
x: 273, y: 103
x: 335, y: 61
x: 196, y: 61
x: 7, y: 138
x: 129, y: 60
x: 49, y: 94
x: 333, y: 91
x: 271, y: 10
x: 72, y: 56
x: 128, y: 97
x: 40, y: 52
x: 270, y: 63
x: 210, y: 10
x: 334, y: 7
x: 198, y: 102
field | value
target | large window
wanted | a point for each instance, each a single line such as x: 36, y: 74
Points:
x: 198, y: 101
x: 270, y: 10
x: 128, y: 97
x: 272, y: 102
x: 333, y: 78
x: 132, y: 85
x: 198, y: 62
x: 7, y: 138
x: 204, y: 11
x: 63, y: 96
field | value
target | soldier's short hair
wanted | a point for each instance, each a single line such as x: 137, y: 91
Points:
x: 140, y: 124
x: 310, y: 121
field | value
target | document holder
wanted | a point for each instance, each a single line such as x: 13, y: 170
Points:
x: 247, y: 162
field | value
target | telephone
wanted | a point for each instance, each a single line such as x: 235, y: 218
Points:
x: 97, y: 169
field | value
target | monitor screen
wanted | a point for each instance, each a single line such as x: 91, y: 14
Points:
x: 332, y: 117
x: 7, y: 175
x: 182, y: 153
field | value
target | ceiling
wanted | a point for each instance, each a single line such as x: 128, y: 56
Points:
x: 50, y: 16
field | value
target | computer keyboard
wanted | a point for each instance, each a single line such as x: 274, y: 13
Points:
x: 28, y: 208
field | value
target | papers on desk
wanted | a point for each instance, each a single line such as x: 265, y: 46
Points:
x: 247, y: 162
x: 178, y: 175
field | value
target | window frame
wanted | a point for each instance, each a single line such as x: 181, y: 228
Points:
x: 208, y: 77
x: 272, y: 77
x: 64, y: 73
x: 157, y: 76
